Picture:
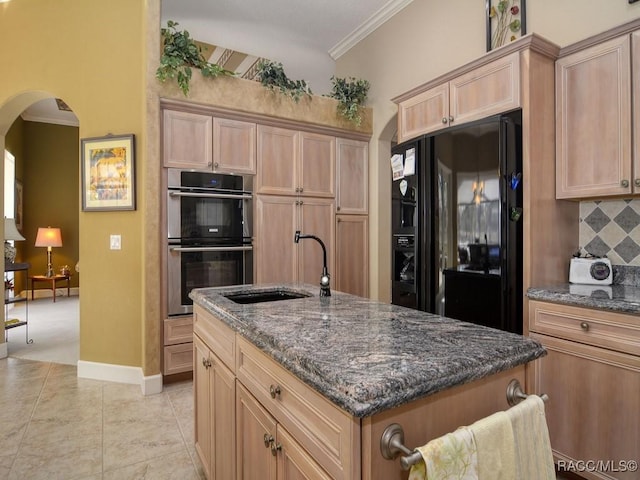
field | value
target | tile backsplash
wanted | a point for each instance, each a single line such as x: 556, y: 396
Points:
x: 611, y: 228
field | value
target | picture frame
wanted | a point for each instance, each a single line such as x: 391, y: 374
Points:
x: 19, y: 195
x: 501, y: 19
x: 108, y: 173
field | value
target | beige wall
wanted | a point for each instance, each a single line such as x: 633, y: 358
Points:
x: 90, y: 54
x: 428, y: 39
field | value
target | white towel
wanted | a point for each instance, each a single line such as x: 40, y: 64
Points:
x: 450, y: 457
x: 534, y: 459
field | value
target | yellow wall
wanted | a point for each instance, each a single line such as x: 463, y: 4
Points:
x: 90, y: 54
x: 428, y: 39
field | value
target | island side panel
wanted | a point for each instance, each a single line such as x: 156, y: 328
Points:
x: 433, y: 416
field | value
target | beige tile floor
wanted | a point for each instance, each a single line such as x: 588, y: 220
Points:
x: 54, y: 425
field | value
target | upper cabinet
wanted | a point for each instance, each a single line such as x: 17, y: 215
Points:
x: 594, y: 120
x: 489, y: 89
x: 295, y: 163
x: 203, y: 142
x: 352, y: 196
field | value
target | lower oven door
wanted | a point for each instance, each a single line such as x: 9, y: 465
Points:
x: 199, y: 267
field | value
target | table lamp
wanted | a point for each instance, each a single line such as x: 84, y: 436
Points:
x: 10, y: 233
x: 49, y: 237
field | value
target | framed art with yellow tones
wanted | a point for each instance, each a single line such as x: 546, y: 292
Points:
x: 108, y: 173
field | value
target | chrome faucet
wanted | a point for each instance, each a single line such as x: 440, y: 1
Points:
x: 325, y: 291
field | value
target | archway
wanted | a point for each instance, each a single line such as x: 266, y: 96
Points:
x: 39, y: 173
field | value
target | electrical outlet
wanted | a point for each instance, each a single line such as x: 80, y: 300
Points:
x: 115, y: 242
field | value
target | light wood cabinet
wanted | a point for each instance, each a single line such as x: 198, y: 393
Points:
x: 593, y: 368
x: 352, y: 193
x: 278, y: 258
x: 352, y: 254
x: 487, y: 90
x: 177, y: 345
x: 203, y: 142
x: 265, y: 449
x: 215, y: 428
x: 295, y: 163
x: 593, y: 130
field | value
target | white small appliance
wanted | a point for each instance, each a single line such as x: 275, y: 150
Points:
x: 591, y: 271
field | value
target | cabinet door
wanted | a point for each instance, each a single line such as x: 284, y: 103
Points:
x: 275, y: 250
x: 278, y: 151
x: 202, y: 397
x: 487, y: 90
x: 316, y: 218
x: 593, y: 121
x: 352, y: 254
x: 594, y: 407
x: 635, y: 47
x: 353, y: 176
x: 256, y: 435
x: 223, y: 412
x: 234, y: 146
x: 316, y: 175
x: 424, y: 113
x: 294, y: 463
x: 187, y: 140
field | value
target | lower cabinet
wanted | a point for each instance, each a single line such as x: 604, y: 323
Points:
x: 595, y: 420
x: 265, y: 451
x: 215, y: 427
x: 352, y: 254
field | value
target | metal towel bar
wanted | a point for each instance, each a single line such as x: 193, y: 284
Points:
x: 392, y: 439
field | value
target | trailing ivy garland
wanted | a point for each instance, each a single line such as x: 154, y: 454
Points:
x: 351, y: 94
x: 180, y: 53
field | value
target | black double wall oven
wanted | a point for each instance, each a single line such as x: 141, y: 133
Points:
x: 209, y: 227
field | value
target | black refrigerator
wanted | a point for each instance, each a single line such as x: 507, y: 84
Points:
x: 457, y: 222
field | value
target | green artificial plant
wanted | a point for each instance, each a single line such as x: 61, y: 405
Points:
x: 180, y: 53
x: 272, y: 76
x: 351, y: 95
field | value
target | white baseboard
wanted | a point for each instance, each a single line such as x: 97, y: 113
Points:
x: 4, y: 350
x: 122, y: 374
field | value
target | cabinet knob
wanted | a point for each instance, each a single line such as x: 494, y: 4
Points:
x: 268, y: 440
x: 584, y: 326
x: 274, y: 391
x: 301, y: 189
x: 215, y: 165
x: 444, y: 120
x: 297, y: 189
x: 301, y: 202
x: 206, y: 363
x: 338, y: 208
x: 624, y: 183
x: 637, y: 182
x: 209, y: 164
x: 275, y: 448
x: 450, y: 119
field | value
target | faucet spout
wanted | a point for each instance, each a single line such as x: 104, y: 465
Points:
x: 325, y: 290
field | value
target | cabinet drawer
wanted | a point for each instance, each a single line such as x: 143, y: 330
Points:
x: 329, y: 434
x: 178, y: 330
x: 178, y: 358
x: 218, y: 336
x: 593, y: 327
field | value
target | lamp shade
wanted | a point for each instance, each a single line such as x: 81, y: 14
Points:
x: 10, y: 230
x: 48, y: 237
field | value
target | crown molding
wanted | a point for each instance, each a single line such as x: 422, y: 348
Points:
x: 374, y: 21
x: 54, y: 120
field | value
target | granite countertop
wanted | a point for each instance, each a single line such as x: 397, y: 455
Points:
x: 367, y: 356
x: 616, y: 298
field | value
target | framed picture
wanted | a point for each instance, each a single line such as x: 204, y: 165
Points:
x: 506, y: 21
x: 108, y: 173
x: 18, y: 204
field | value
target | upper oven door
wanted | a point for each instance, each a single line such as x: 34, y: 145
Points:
x: 208, y: 217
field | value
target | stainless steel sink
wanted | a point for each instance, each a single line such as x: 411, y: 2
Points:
x: 267, y: 296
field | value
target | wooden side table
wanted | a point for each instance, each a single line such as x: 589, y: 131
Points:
x: 53, y: 280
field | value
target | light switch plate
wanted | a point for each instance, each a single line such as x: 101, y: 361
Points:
x: 115, y: 242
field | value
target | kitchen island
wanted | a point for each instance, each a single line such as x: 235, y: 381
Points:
x: 331, y: 373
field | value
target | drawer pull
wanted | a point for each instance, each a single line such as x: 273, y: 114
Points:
x: 275, y: 448
x: 275, y: 391
x: 584, y: 326
x: 206, y: 363
x: 268, y: 440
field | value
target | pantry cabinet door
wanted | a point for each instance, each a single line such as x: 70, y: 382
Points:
x: 278, y: 154
x: 187, y: 140
x: 234, y: 146
x: 317, y: 165
x: 316, y: 218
